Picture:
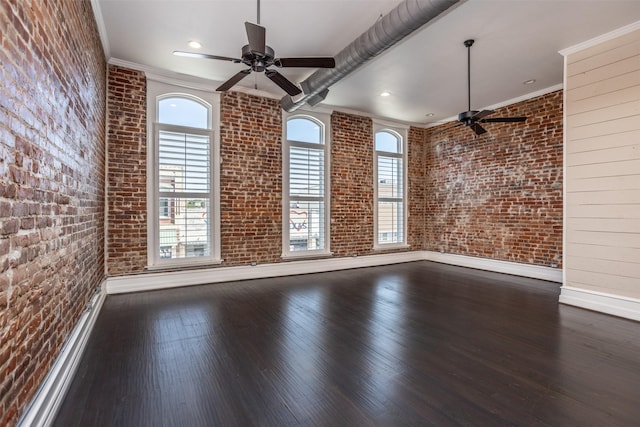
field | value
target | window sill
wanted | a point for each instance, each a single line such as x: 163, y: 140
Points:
x: 390, y: 247
x: 305, y: 255
x: 186, y: 265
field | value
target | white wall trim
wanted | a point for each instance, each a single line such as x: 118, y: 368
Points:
x: 601, y: 39
x: 174, y: 279
x: 185, y: 80
x: 507, y: 267
x: 168, y: 77
x: 44, y: 406
x: 102, y: 29
x: 599, y: 301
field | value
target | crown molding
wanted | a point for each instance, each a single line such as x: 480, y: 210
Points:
x: 102, y: 29
x: 185, y: 80
x: 601, y: 39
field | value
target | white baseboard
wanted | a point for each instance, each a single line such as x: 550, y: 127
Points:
x: 174, y: 279
x: 507, y: 267
x: 44, y: 406
x: 616, y: 305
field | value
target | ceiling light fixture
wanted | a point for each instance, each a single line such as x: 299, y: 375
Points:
x: 195, y: 45
x: 529, y: 82
x: 385, y: 93
x: 430, y: 114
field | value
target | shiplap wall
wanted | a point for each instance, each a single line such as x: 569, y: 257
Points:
x: 602, y: 167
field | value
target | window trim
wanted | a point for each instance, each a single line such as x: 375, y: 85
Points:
x: 324, y: 121
x: 401, y: 132
x: 157, y: 91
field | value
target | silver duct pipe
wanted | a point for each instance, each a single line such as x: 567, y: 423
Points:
x: 404, y: 19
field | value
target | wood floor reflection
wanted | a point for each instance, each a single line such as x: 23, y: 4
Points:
x: 411, y: 344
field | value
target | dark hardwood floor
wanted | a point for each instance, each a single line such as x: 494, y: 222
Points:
x: 412, y: 344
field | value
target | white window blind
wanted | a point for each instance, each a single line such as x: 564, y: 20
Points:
x: 184, y: 162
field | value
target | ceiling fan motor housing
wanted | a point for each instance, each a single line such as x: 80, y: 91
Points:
x: 257, y: 62
x: 467, y: 117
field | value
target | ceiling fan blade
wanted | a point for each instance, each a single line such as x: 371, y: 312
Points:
x: 205, y: 56
x: 481, y: 114
x: 504, y: 120
x: 233, y: 80
x: 319, y: 62
x: 283, y: 82
x: 256, y: 37
x: 479, y: 130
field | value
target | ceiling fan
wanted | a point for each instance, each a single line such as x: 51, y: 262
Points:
x: 473, y: 118
x: 259, y: 57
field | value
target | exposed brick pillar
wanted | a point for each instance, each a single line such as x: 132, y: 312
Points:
x: 127, y: 171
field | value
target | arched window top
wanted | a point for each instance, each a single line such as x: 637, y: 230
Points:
x: 389, y: 141
x: 183, y: 110
x: 305, y: 129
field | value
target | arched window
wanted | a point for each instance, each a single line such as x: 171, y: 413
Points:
x: 184, y: 216
x: 184, y: 111
x: 305, y: 228
x: 389, y: 187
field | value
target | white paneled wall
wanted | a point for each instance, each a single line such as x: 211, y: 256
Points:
x: 602, y: 167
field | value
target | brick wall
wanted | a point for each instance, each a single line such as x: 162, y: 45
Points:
x: 498, y: 195
x: 416, y: 196
x: 52, y: 98
x: 250, y: 179
x: 351, y: 184
x: 127, y: 171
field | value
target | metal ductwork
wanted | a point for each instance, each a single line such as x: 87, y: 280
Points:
x: 403, y: 20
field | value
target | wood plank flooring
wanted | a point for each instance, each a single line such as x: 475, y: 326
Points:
x: 411, y: 344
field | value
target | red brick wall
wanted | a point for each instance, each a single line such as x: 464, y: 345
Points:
x: 52, y: 97
x: 416, y: 192
x: 250, y: 179
x: 127, y: 171
x: 498, y: 195
x: 351, y: 184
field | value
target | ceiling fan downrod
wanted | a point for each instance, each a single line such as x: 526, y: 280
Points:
x: 468, y: 44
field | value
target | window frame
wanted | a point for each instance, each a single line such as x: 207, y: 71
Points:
x: 400, y: 132
x: 156, y: 92
x: 324, y: 121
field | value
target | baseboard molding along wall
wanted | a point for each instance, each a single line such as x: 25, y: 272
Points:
x: 43, y: 408
x: 174, y: 279
x: 507, y: 267
x: 616, y: 305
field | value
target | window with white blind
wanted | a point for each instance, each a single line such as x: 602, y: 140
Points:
x: 390, y: 190
x: 306, y: 183
x: 184, y: 210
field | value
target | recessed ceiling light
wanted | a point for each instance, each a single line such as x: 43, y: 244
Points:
x: 529, y: 82
x: 194, y: 44
x: 430, y: 114
x: 385, y: 93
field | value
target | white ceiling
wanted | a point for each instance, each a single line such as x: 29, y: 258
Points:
x: 516, y: 40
